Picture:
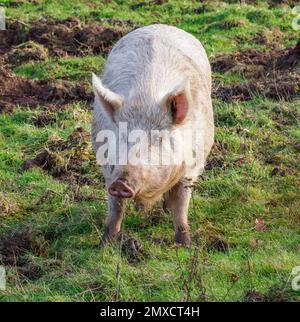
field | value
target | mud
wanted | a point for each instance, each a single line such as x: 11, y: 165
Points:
x: 61, y: 37
x: 273, y: 59
x: 286, y: 88
x: 65, y: 160
x: 21, y: 91
x: 273, y: 74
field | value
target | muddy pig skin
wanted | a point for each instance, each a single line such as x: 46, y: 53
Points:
x: 156, y: 78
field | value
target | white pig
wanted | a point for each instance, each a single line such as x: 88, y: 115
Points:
x: 156, y: 78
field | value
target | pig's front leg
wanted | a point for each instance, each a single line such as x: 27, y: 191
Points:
x: 113, y: 224
x: 177, y: 200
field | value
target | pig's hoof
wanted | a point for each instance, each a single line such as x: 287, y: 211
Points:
x: 165, y: 207
x: 108, y: 238
x: 183, y: 238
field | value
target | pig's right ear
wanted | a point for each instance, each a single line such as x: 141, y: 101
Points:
x: 109, y: 101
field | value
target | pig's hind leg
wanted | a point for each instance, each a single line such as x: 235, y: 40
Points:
x: 177, y: 200
x: 113, y: 224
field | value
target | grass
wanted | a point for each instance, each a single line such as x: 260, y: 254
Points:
x: 252, y: 139
x: 69, y: 68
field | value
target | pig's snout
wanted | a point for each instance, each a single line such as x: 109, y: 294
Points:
x: 121, y: 188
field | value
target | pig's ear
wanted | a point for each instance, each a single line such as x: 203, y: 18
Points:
x: 108, y: 100
x: 178, y: 102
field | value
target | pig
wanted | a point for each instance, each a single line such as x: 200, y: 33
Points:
x: 155, y: 77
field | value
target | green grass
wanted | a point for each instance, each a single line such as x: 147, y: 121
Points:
x: 253, y: 138
x: 69, y: 68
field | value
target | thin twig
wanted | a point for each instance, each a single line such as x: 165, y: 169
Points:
x: 118, y: 269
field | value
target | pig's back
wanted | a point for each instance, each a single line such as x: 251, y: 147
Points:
x: 179, y: 39
x: 128, y: 58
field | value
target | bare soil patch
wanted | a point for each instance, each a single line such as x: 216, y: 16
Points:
x: 21, y: 91
x: 46, y: 37
x: 273, y: 74
x: 61, y: 37
x: 14, y: 246
x: 65, y: 159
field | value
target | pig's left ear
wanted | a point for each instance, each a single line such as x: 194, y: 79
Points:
x: 109, y: 100
x: 178, y: 102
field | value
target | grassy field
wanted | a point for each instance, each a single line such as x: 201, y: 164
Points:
x: 245, y: 212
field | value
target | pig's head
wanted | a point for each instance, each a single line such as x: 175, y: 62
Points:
x: 142, y: 179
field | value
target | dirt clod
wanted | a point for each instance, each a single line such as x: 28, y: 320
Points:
x: 65, y: 160
x: 154, y: 217
x: 25, y: 52
x: 217, y: 243
x: 14, y: 34
x: 131, y: 248
x: 44, y: 119
x: 216, y: 157
x: 214, y: 162
x: 45, y: 160
x: 30, y: 271
x: 14, y: 246
x: 254, y: 296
